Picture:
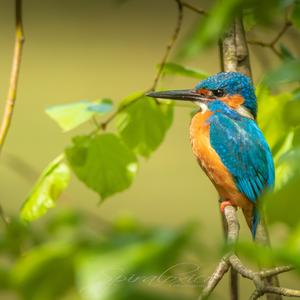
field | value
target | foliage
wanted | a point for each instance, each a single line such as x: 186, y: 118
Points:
x: 69, y: 116
x: 102, y: 162
x: 144, y: 124
x: 69, y: 257
x: 48, y: 188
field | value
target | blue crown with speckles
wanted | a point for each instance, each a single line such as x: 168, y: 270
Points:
x: 233, y: 83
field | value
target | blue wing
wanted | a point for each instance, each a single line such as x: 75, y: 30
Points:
x: 244, y: 151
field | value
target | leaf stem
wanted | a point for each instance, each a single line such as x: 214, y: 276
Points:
x: 12, y: 91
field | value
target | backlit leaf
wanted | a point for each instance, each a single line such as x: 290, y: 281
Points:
x: 54, y: 179
x: 103, y: 163
x: 68, y: 116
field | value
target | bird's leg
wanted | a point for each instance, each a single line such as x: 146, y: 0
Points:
x: 223, y: 204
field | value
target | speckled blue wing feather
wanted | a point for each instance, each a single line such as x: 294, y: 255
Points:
x: 244, y: 151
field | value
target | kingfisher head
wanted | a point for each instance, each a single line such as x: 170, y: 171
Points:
x: 232, y: 88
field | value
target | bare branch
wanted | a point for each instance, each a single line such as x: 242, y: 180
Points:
x: 215, y: 278
x: 275, y: 271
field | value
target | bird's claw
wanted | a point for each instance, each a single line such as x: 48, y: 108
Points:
x: 223, y: 204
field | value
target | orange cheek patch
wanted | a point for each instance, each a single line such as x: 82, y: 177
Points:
x: 233, y: 101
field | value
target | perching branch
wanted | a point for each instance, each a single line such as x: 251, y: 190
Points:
x: 12, y: 90
x: 231, y: 261
x: 158, y: 75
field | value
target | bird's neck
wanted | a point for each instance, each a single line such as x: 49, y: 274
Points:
x: 219, y: 106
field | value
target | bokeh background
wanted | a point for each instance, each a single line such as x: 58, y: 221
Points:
x: 92, y: 49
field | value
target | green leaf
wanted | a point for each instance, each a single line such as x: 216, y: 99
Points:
x: 271, y: 117
x: 131, y: 98
x: 291, y: 111
x: 101, y: 106
x: 103, y: 163
x: 54, y: 179
x: 68, y: 116
x: 143, y: 125
x: 296, y: 14
x: 176, y: 69
x: 279, y: 204
x: 285, y: 52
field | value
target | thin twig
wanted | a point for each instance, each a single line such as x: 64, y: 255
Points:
x: 193, y: 8
x: 12, y: 91
x: 272, y: 44
x: 275, y: 271
x: 157, y: 77
x: 170, y: 45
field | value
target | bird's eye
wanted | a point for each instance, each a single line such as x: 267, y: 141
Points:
x: 218, y: 93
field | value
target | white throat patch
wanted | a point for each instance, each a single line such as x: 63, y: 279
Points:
x: 243, y: 111
x: 203, y: 107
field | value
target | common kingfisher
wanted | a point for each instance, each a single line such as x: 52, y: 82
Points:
x: 227, y: 142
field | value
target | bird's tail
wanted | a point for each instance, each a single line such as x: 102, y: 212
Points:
x: 253, y: 218
x: 255, y: 221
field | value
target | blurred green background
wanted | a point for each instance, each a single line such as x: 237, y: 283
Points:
x: 78, y: 50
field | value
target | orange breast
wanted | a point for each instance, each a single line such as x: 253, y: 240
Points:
x: 211, y: 163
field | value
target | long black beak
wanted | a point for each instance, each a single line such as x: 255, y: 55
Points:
x: 185, y: 95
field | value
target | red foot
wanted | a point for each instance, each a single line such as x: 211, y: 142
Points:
x: 224, y: 204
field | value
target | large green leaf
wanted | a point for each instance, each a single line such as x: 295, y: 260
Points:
x: 291, y: 112
x: 54, y: 179
x: 283, y: 205
x: 68, y: 116
x: 143, y: 124
x: 103, y: 162
x: 176, y: 69
x: 296, y: 14
x: 271, y: 117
